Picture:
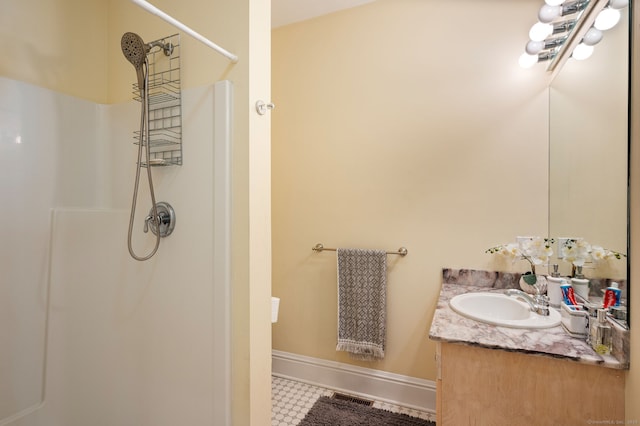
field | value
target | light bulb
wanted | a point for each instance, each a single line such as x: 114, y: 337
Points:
x: 582, y: 51
x: 607, y: 19
x: 618, y: 4
x: 549, y: 13
x: 534, y: 47
x: 527, y: 61
x: 539, y: 31
x: 592, y: 37
x: 554, y: 2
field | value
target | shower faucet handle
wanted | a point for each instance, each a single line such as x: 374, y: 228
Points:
x: 147, y: 219
x: 164, y: 222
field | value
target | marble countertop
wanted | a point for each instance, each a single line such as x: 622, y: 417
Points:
x: 448, y: 326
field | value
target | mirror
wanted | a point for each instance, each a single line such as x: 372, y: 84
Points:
x: 588, y: 149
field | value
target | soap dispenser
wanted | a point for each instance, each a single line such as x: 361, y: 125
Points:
x: 580, y: 284
x: 554, y: 281
x: 601, y: 339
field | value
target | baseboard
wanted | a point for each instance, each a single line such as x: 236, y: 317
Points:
x: 366, y: 382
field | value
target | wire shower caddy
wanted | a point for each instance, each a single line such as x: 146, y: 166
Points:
x: 165, y: 104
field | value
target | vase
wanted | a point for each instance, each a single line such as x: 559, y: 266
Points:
x: 541, y: 284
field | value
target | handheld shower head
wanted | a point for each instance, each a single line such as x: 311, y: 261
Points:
x: 135, y: 50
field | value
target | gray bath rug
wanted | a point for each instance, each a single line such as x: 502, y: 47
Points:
x: 334, y: 412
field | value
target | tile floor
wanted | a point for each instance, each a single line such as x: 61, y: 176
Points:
x: 291, y: 400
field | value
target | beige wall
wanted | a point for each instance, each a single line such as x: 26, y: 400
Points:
x: 56, y: 44
x: 395, y: 128
x: 73, y: 47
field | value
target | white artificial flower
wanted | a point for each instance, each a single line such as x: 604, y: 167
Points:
x: 582, y: 252
x: 536, y: 250
x: 511, y: 250
x: 546, y: 252
x: 576, y: 251
x: 598, y: 254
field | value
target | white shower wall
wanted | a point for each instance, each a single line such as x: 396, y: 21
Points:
x: 127, y: 342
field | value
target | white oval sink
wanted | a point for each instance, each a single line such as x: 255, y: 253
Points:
x: 503, y: 310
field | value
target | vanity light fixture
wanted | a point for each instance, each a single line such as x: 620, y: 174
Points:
x: 569, y: 29
x: 527, y: 60
x: 535, y: 47
x: 582, y: 52
x: 592, y: 36
x: 607, y: 19
x: 544, y: 42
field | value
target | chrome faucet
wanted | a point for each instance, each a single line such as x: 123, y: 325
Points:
x: 538, y: 304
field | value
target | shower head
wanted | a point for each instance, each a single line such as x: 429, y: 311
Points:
x: 135, y: 50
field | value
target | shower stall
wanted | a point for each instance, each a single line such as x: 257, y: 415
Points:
x: 89, y: 336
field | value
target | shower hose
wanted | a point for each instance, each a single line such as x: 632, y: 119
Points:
x: 144, y: 141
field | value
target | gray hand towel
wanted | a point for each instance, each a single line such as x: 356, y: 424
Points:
x: 362, y: 302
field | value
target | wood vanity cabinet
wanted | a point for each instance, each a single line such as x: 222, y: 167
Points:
x: 479, y: 386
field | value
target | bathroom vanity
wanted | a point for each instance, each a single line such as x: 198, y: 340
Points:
x: 493, y: 375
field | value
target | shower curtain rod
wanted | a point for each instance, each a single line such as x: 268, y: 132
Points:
x: 154, y: 10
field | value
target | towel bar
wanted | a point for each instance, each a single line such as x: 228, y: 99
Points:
x: 402, y: 251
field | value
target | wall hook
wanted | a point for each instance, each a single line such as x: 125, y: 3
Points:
x: 262, y: 107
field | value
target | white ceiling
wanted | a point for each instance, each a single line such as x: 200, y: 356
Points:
x: 285, y: 12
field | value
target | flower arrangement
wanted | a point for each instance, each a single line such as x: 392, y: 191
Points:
x: 538, y: 250
x: 577, y: 251
x: 535, y: 250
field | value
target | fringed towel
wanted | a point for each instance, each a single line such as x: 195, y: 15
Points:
x: 362, y: 302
